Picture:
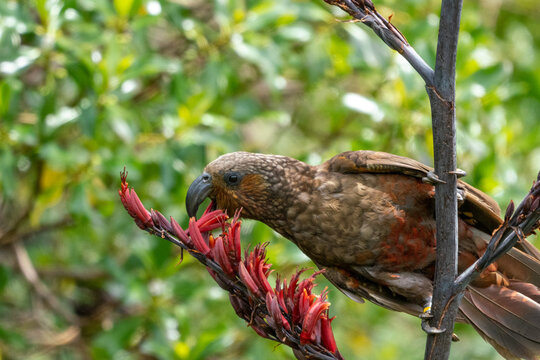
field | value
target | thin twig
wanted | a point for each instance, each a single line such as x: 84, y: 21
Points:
x: 365, y: 12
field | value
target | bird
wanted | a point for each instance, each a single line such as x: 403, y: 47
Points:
x: 368, y: 219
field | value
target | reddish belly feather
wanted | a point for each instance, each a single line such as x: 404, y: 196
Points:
x: 409, y: 246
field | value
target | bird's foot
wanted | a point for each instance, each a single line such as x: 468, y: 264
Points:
x: 431, y: 329
x: 432, y: 178
x: 425, y: 316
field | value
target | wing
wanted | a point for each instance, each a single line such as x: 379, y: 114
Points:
x: 478, y: 209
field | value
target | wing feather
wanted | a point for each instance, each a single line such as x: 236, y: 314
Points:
x: 478, y: 209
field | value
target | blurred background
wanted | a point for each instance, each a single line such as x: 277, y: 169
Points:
x: 163, y: 87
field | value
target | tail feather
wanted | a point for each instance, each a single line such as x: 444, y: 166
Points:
x: 528, y: 248
x: 529, y: 290
x: 502, y: 340
x: 510, y: 308
x: 516, y: 264
x: 508, y: 318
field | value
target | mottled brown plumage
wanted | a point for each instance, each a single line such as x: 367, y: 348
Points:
x: 368, y: 219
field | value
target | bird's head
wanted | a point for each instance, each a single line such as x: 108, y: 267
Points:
x: 257, y: 183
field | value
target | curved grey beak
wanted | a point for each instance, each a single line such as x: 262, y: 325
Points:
x: 199, y: 190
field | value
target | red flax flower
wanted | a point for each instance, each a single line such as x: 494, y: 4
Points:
x: 289, y: 313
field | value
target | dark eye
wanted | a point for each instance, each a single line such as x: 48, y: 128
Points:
x: 232, y: 178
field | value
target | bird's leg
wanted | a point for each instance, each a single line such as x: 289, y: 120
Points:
x: 427, y: 309
x: 425, y: 316
x: 415, y: 287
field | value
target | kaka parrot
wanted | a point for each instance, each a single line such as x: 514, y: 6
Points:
x: 368, y: 219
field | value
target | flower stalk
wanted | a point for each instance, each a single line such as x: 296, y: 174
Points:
x: 289, y: 313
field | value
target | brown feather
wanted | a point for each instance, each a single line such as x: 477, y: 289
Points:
x: 529, y: 290
x: 478, y: 206
x: 510, y: 308
x: 512, y: 331
x: 506, y: 342
x: 519, y: 265
x: 528, y: 249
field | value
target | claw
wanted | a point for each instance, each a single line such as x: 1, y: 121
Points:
x: 455, y: 338
x: 432, y: 178
x: 430, y: 329
x: 459, y: 173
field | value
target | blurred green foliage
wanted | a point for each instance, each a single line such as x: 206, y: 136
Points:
x: 163, y: 87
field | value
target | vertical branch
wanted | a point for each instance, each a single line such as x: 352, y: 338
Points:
x: 442, y: 99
